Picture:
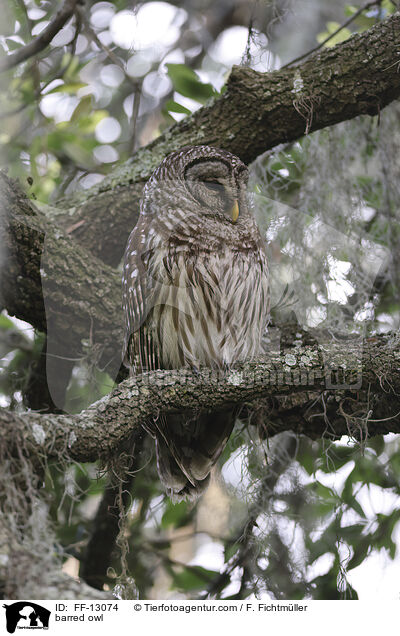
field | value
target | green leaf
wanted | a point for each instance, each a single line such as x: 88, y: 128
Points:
x: 337, y: 457
x: 369, y: 470
x: 326, y: 587
x: 363, y: 21
x: 74, y: 66
x: 230, y: 551
x: 27, y: 90
x: 352, y: 533
x: 88, y: 124
x: 174, y: 107
x: 78, y: 154
x: 71, y: 88
x: 360, y: 552
x: 331, y: 27
x: 174, y: 515
x: 13, y: 44
x: 193, y: 577
x: 187, y: 83
x: 382, y: 537
x: 377, y: 443
x: 350, y: 10
x: 323, y: 492
x: 6, y: 323
x: 388, y: 6
x: 357, y: 508
x: 83, y: 108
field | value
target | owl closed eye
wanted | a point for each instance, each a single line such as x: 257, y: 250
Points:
x: 216, y: 186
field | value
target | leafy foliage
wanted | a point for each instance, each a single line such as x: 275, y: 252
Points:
x: 291, y: 518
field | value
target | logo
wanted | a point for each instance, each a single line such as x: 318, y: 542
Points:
x: 26, y: 615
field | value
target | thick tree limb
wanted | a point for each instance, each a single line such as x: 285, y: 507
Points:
x: 82, y: 298
x: 55, y: 285
x: 256, y: 112
x: 114, y: 422
x: 43, y: 39
x: 81, y: 294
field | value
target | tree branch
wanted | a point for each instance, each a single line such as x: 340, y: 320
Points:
x: 110, y: 424
x: 346, y: 23
x: 54, y: 284
x: 43, y: 39
x: 82, y: 295
x: 82, y: 304
x: 256, y: 112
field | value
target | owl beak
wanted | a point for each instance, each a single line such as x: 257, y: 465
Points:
x: 235, y: 211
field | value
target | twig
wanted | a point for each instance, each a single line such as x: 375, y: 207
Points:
x: 137, y: 85
x: 355, y: 15
x: 135, y: 112
x: 109, y: 52
x: 244, y: 538
x: 43, y: 39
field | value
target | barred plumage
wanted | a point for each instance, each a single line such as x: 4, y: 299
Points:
x: 195, y: 292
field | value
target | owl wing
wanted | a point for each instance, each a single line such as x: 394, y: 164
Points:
x: 140, y: 352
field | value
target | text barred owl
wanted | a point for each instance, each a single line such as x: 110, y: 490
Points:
x: 195, y: 293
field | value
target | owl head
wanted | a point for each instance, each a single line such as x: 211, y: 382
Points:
x: 212, y: 182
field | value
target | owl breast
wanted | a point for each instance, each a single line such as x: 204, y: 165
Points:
x: 210, y: 308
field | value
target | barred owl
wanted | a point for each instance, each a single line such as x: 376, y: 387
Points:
x: 195, y: 293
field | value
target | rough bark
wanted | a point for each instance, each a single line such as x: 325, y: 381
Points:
x: 54, y: 284
x: 256, y: 112
x: 81, y: 307
x: 367, y: 398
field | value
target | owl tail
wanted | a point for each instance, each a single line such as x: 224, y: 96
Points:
x: 187, y: 449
